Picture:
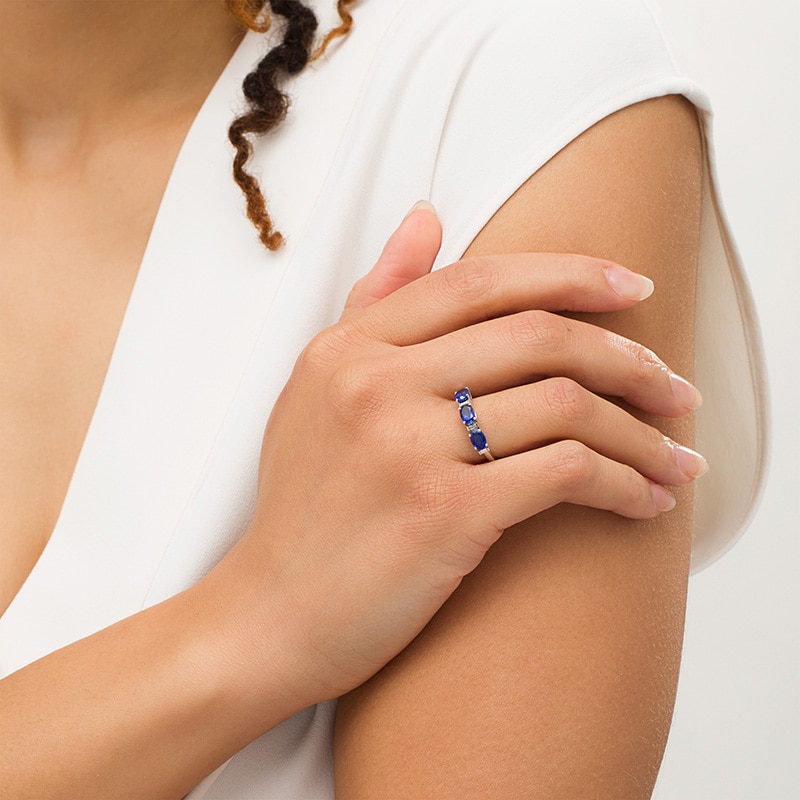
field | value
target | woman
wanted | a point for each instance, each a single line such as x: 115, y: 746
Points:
x: 551, y: 671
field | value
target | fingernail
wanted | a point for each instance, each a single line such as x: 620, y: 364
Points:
x: 627, y: 284
x: 686, y: 394
x: 663, y: 500
x: 690, y: 463
x: 422, y: 205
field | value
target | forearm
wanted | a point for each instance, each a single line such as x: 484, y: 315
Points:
x: 144, y: 708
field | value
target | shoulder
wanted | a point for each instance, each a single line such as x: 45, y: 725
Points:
x: 529, y: 78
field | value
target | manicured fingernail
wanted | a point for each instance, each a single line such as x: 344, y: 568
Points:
x: 690, y: 463
x: 686, y: 394
x: 627, y: 284
x: 663, y: 500
x: 422, y: 205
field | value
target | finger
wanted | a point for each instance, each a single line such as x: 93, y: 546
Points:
x: 521, y: 348
x: 409, y: 254
x: 529, y: 417
x: 477, y: 289
x: 566, y: 472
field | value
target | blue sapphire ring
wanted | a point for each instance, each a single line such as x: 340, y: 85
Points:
x: 467, y: 413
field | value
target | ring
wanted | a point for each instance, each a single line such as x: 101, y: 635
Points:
x: 467, y: 413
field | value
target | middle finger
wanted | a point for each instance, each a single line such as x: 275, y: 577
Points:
x: 520, y: 348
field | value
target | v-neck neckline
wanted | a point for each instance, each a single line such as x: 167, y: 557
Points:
x: 167, y: 473
x: 162, y: 278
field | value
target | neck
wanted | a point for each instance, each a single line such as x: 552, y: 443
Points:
x: 64, y: 63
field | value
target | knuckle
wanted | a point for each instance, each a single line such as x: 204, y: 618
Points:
x: 432, y: 499
x: 469, y: 280
x: 324, y: 350
x: 566, y: 400
x: 354, y: 389
x: 646, y: 367
x: 434, y: 495
x: 656, y: 444
x: 633, y: 489
x: 538, y: 330
x: 571, y: 465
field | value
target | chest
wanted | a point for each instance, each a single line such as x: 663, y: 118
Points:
x: 164, y: 478
x: 71, y: 241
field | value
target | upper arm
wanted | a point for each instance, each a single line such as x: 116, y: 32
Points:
x: 551, y: 672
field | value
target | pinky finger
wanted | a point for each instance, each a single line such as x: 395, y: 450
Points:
x: 569, y: 472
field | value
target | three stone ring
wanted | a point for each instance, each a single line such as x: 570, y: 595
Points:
x: 467, y: 413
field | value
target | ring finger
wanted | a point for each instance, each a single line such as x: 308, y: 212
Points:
x: 532, y: 416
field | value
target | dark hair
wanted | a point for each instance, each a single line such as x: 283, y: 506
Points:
x: 267, y: 103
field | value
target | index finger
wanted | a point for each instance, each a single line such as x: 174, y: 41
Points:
x: 477, y: 289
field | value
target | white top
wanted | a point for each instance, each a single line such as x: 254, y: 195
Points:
x: 458, y: 101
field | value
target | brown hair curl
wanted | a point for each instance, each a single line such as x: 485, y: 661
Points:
x: 267, y: 104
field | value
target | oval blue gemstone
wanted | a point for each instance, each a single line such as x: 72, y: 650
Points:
x: 467, y: 413
x: 462, y: 396
x: 478, y: 440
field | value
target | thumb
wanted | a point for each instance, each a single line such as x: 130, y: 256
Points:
x: 409, y: 254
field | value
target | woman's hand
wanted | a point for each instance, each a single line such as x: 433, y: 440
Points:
x: 373, y: 505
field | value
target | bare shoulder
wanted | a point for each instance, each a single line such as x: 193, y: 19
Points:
x: 551, y: 672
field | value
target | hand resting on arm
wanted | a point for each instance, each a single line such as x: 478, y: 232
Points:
x: 551, y: 672
x: 372, y: 508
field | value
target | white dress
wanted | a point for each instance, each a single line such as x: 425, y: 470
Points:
x: 458, y: 101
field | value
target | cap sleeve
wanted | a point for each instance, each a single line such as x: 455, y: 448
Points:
x: 531, y: 77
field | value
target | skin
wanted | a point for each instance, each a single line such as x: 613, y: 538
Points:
x: 551, y: 672
x: 71, y: 135
x: 206, y: 672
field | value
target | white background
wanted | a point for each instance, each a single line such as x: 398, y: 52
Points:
x: 736, y: 733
